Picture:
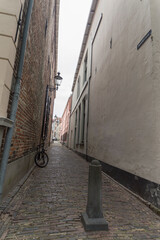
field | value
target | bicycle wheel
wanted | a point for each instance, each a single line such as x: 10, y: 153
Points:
x: 41, y: 159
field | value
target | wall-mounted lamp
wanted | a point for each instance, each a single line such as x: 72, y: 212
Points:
x: 58, y: 80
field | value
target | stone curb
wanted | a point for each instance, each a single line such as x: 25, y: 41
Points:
x: 148, y: 204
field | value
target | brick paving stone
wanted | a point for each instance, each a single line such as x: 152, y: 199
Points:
x: 50, y: 202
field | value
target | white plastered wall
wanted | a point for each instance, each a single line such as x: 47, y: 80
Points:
x: 77, y: 101
x: 124, y: 126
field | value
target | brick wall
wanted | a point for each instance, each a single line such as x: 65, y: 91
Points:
x: 38, y: 71
x: 65, y: 120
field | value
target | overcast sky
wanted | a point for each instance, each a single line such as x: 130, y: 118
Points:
x: 72, y: 23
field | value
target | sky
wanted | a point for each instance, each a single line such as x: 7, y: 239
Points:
x: 72, y: 23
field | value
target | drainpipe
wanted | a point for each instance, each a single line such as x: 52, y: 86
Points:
x: 88, y: 104
x: 43, y: 133
x: 15, y: 99
x: 89, y: 80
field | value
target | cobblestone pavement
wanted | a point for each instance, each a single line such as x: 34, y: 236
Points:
x: 49, y: 205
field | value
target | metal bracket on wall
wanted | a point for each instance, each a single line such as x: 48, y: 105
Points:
x: 144, y: 39
x: 18, y: 23
x: 6, y: 122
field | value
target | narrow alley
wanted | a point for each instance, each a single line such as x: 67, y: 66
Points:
x: 51, y: 200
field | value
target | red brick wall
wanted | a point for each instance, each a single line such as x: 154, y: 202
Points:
x: 39, y: 58
x: 65, y: 120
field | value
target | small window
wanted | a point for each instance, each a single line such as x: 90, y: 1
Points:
x: 83, y: 119
x: 46, y: 26
x: 85, y: 68
x: 76, y: 120
x: 78, y: 87
x: 79, y: 124
x: 75, y: 131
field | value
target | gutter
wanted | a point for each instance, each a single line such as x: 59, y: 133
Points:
x: 15, y: 99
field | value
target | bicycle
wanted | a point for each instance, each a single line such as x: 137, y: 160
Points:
x: 41, y: 158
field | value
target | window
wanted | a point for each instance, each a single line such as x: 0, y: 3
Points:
x: 46, y: 26
x: 78, y: 86
x: 83, y: 119
x: 75, y: 131
x: 76, y: 120
x: 79, y: 124
x: 85, y: 68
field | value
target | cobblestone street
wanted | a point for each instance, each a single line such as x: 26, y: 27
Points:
x: 50, y: 202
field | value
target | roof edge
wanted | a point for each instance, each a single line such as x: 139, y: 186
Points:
x: 85, y: 39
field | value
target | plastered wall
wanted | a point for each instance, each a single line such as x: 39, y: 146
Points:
x: 124, y: 95
x: 124, y: 112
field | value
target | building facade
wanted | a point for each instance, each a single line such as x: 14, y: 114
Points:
x: 28, y: 65
x: 65, y: 122
x: 115, y: 106
x: 56, y: 128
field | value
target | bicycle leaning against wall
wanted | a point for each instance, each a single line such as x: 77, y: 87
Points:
x: 41, y: 158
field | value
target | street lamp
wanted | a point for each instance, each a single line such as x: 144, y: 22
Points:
x: 58, y: 80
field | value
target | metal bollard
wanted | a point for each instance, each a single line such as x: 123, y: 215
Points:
x: 93, y: 219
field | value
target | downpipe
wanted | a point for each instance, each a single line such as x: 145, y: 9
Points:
x: 14, y: 106
x: 89, y: 80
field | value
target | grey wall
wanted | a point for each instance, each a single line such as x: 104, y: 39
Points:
x: 16, y: 170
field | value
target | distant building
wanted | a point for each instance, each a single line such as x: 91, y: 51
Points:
x: 115, y: 114
x: 56, y: 129
x: 65, y: 122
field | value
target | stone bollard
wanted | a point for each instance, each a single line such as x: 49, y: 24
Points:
x: 93, y: 219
